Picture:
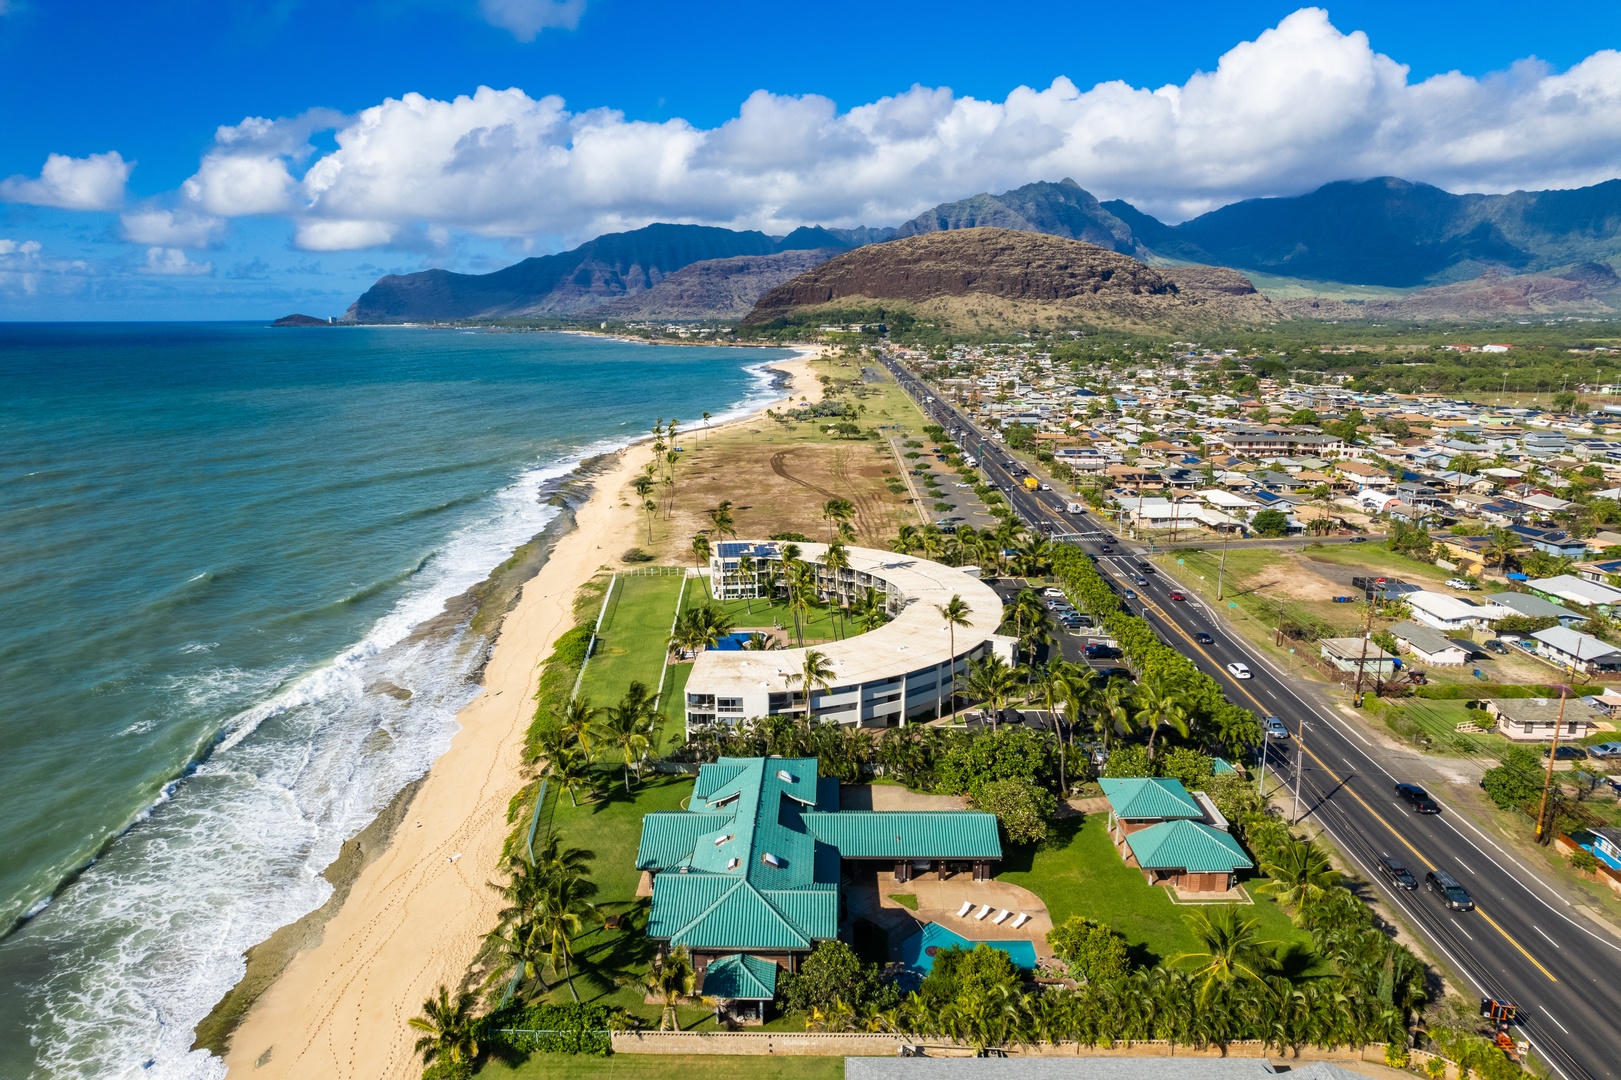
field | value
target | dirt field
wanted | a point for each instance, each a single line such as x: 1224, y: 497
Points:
x: 778, y: 475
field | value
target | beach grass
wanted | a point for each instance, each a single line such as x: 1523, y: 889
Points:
x: 660, y: 1066
x: 1080, y: 873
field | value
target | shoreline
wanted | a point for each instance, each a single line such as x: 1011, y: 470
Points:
x: 416, y: 907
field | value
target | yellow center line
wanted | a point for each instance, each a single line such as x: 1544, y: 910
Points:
x: 1345, y: 785
x: 1514, y: 943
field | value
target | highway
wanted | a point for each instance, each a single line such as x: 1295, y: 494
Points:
x: 1524, y: 941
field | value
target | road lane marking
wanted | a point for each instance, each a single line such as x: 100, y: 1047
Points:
x: 1545, y: 936
x: 1555, y: 1019
x: 1348, y: 762
x: 1537, y: 963
x: 1463, y: 864
x: 1466, y: 933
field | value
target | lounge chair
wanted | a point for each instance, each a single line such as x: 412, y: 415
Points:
x: 1021, y: 920
x: 982, y: 912
x: 967, y: 906
x: 1001, y: 916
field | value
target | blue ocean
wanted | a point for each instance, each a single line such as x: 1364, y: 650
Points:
x: 215, y: 543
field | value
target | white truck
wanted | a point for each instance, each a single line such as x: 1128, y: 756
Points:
x: 1074, y: 508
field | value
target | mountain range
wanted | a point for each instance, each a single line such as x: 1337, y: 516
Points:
x: 1459, y: 256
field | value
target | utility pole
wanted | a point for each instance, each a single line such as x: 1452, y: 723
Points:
x: 1221, y: 570
x: 1367, y: 634
x: 1547, y: 779
x: 1300, y: 767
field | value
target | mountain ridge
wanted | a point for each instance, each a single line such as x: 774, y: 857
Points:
x: 1384, y: 231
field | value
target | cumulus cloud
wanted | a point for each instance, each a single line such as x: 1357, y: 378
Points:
x: 173, y: 262
x: 89, y: 183
x: 527, y: 18
x: 170, y: 228
x: 26, y: 271
x: 1299, y: 106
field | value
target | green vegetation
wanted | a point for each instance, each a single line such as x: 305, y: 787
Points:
x: 667, y: 1066
x: 634, y: 631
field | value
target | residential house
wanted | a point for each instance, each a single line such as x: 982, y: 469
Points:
x: 1569, y: 589
x: 1574, y: 649
x: 1176, y: 838
x: 754, y: 866
x: 1351, y: 653
x: 1554, y: 542
x: 1430, y: 646
x: 1453, y: 613
x: 1534, y: 719
x: 1601, y: 571
x: 1535, y: 607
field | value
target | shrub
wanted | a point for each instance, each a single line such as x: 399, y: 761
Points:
x: 1187, y: 765
x: 448, y: 1070
x: 1396, y: 1055
x: 1583, y: 861
x: 962, y: 974
x: 573, y: 1027
x: 1022, y: 808
x: 1093, y: 952
x: 637, y: 555
x: 1516, y: 780
x: 832, y: 972
x: 1127, y: 761
x: 1009, y: 753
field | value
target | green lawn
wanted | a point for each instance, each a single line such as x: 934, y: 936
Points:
x: 821, y: 625
x: 1439, y: 720
x: 634, y: 630
x: 1085, y: 876
x: 660, y: 1066
x: 1380, y: 559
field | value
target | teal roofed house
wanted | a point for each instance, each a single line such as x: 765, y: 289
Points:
x: 752, y: 868
x: 1176, y: 837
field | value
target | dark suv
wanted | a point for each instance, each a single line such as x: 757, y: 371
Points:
x: 1399, y: 875
x: 1448, y: 890
x: 1418, y: 799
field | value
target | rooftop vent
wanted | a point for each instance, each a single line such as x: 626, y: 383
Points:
x: 731, y: 864
x: 770, y: 859
x: 719, y: 840
x: 785, y: 776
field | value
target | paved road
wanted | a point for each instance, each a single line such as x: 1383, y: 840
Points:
x: 1524, y: 941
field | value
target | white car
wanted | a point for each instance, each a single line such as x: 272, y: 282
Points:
x: 1240, y: 671
x: 1461, y: 584
x: 1053, y: 594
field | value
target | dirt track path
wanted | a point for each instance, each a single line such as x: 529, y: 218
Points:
x: 870, y: 517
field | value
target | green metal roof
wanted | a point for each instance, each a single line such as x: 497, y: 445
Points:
x: 1149, y: 798
x: 753, y: 865
x: 908, y: 834
x: 1187, y: 845
x: 740, y: 977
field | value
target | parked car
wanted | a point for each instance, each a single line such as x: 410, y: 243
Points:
x: 1461, y: 583
x: 1177, y: 596
x: 1399, y: 875
x: 1099, y: 651
x: 1274, y: 728
x: 1418, y: 799
x: 1052, y: 593
x: 1448, y: 889
x: 1566, y: 753
x: 1497, y: 647
x: 1203, y: 638
x: 1359, y: 539
x: 1240, y: 671
x: 1605, y: 750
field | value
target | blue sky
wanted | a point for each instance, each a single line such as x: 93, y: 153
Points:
x: 275, y: 156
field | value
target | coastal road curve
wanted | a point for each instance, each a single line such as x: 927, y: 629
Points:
x: 1524, y: 941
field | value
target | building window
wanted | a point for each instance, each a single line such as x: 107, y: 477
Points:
x: 729, y: 704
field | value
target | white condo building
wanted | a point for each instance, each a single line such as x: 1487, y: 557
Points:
x: 897, y: 672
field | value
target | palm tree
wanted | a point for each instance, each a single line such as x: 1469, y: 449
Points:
x: 835, y: 560
x: 801, y: 586
x: 569, y: 767
x: 836, y: 510
x: 906, y: 540
x: 930, y: 542
x: 559, y: 916
x: 955, y: 612
x: 628, y: 727
x: 815, y: 673
x: 1231, y: 950
x: 993, y: 683
x: 1500, y: 546
x: 1059, y: 686
x: 671, y: 979
x: 451, y: 1029
x: 720, y: 516
x: 651, y: 508
x: 706, y: 425
x: 1301, y: 874
x: 1156, y: 707
x: 870, y: 610
x: 642, y: 485
x: 700, y: 551
x: 575, y: 723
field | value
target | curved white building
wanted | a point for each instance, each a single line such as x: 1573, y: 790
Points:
x: 898, y: 672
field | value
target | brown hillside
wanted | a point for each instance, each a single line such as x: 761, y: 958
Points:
x: 981, y: 277
x: 714, y: 288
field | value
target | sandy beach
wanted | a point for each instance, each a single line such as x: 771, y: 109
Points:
x: 416, y: 913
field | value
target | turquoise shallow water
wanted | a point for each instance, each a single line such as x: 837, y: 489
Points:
x: 213, y: 539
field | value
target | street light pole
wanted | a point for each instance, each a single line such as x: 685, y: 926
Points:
x: 1226, y: 534
x: 1547, y: 779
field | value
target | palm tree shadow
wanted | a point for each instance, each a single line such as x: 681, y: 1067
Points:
x: 1294, y: 960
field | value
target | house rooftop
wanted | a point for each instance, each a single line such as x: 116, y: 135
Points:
x: 1149, y: 798
x: 1187, y: 845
